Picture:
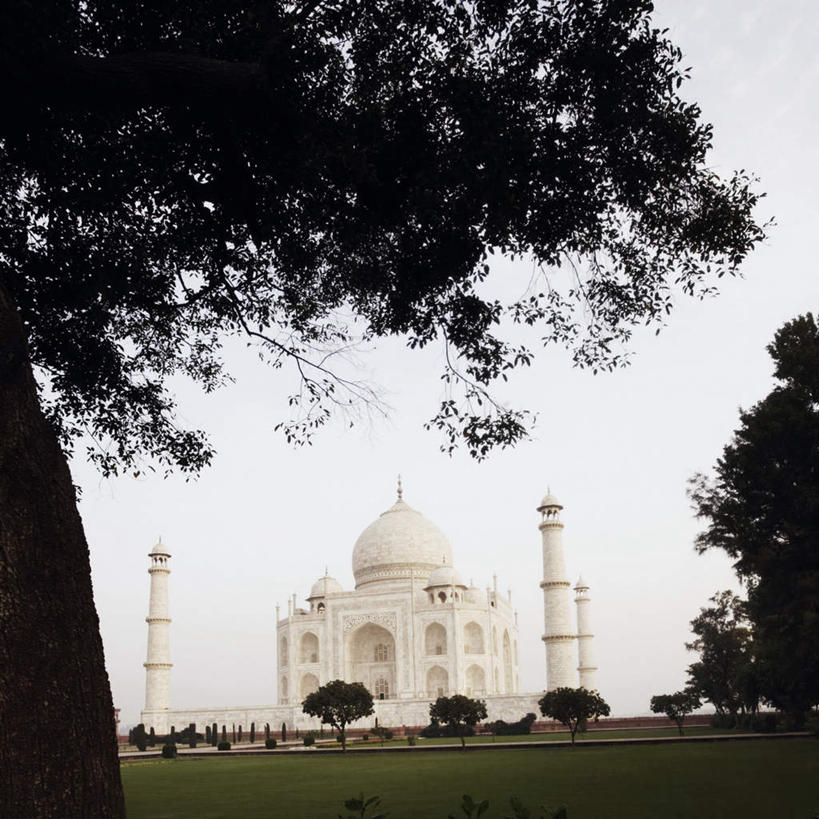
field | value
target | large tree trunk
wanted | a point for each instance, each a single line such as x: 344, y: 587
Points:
x: 58, y: 752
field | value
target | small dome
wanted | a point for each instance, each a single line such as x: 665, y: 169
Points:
x: 445, y: 576
x: 581, y: 584
x: 475, y: 595
x: 324, y: 586
x: 160, y: 549
x: 400, y: 544
x: 549, y: 500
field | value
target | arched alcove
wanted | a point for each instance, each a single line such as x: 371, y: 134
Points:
x: 435, y: 639
x: 437, y: 682
x: 283, y: 689
x: 475, y: 681
x: 283, y: 651
x: 370, y: 657
x: 473, y: 639
x: 308, y: 648
x: 309, y: 684
x: 507, y: 662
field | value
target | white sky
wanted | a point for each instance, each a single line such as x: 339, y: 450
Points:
x: 617, y: 449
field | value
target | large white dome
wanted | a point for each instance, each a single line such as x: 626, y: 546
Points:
x: 400, y: 544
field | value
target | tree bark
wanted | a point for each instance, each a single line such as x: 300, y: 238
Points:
x: 58, y: 749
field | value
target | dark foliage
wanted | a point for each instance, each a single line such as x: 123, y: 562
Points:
x: 459, y: 713
x: 726, y: 673
x: 223, y: 745
x: 676, y: 706
x: 270, y: 743
x: 573, y: 707
x: 169, y: 751
x: 522, y: 726
x: 176, y: 174
x: 762, y: 508
x: 338, y: 703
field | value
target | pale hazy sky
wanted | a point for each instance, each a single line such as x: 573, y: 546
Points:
x: 617, y: 449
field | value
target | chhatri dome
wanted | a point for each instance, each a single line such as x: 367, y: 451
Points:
x: 401, y: 544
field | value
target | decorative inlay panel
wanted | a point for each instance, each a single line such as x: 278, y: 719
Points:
x: 384, y: 619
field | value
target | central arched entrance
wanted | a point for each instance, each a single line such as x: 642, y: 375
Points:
x: 371, y: 660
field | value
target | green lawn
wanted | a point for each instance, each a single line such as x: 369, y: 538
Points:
x: 768, y: 778
x: 562, y: 736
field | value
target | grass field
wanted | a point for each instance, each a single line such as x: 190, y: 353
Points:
x: 769, y: 778
x: 565, y: 736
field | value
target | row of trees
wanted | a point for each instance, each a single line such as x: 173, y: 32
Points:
x: 761, y: 507
x: 339, y: 703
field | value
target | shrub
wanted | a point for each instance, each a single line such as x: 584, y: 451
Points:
x: 309, y: 739
x: 169, y: 751
x: 152, y: 737
x: 763, y: 723
x: 365, y: 737
x: 270, y: 742
x: 435, y: 729
x: 267, y: 731
x: 411, y: 739
x: 214, y: 734
x: 239, y: 734
x: 192, y: 735
x: 725, y: 721
x: 252, y: 732
x: 138, y: 737
x: 224, y: 745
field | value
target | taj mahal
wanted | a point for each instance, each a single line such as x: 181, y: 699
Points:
x: 411, y: 630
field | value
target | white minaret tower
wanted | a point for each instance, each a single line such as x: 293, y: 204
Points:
x: 558, y: 635
x: 158, y: 664
x: 586, y: 668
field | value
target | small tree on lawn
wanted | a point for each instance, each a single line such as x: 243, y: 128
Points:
x: 239, y: 734
x: 214, y: 734
x: 252, y: 732
x: 266, y: 731
x: 152, y: 737
x: 458, y: 711
x: 192, y: 735
x: 207, y: 734
x: 224, y: 733
x: 284, y: 732
x: 339, y: 703
x: 573, y: 706
x: 676, y: 706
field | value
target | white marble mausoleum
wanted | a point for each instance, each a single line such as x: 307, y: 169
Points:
x: 411, y: 630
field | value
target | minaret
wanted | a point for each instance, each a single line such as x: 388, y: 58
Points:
x: 558, y: 634
x: 585, y: 648
x: 158, y: 664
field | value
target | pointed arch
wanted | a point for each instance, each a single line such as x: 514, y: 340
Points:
x: 473, y: 638
x: 435, y: 639
x: 308, y: 648
x: 437, y: 682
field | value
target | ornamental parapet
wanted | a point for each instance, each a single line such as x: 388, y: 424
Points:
x: 550, y: 524
x: 158, y: 665
x: 157, y: 619
x: 554, y: 584
x: 558, y: 638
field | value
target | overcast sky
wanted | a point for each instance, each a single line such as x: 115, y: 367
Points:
x: 265, y: 520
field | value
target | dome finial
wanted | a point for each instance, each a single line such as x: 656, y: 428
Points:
x: 400, y: 488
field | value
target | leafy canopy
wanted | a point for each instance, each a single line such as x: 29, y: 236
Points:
x: 573, y: 706
x: 761, y: 507
x: 676, y: 706
x: 458, y: 711
x: 302, y: 175
x: 725, y: 672
x: 339, y: 703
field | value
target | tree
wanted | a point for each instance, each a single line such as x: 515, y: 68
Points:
x: 338, y: 703
x: 214, y: 735
x: 760, y: 507
x: 573, y: 706
x: 458, y: 712
x: 724, y: 672
x: 139, y: 737
x: 280, y: 165
x: 676, y: 706
x: 253, y: 732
